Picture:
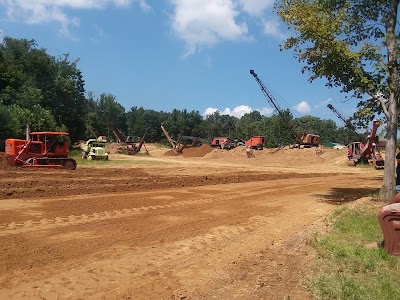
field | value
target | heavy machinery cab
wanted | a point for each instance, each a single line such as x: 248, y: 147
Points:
x: 222, y: 142
x: 43, y: 149
x: 256, y: 142
x: 52, y: 144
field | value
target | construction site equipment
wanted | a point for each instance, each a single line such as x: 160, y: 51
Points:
x: 256, y: 142
x: 300, y: 140
x: 222, y: 143
x: 196, y: 141
x: 366, y: 152
x: 176, y: 146
x: 94, y: 149
x: 345, y: 121
x: 42, y: 150
x: 131, y: 146
x: 134, y: 148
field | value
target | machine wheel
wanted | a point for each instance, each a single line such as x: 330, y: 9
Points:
x: 84, y: 154
x: 69, y: 164
x: 91, y: 157
x: 106, y: 157
x: 351, y: 163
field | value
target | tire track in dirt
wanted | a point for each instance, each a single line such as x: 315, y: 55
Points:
x: 44, y: 224
x: 138, y: 265
x: 13, y: 228
x: 114, y: 275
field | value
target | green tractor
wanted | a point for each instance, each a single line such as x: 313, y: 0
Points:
x: 94, y: 149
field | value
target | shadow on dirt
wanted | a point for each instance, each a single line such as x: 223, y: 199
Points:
x: 344, y: 195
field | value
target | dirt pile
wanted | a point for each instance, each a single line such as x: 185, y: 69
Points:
x: 4, y: 161
x: 197, y: 151
x: 192, y: 151
x: 286, y: 156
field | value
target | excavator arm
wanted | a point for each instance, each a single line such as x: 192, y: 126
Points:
x: 174, y: 144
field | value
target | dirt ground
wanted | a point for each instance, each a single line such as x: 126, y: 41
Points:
x: 205, y: 224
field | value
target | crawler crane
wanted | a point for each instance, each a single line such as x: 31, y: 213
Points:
x: 301, y: 140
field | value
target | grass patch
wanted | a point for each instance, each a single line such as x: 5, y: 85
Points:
x: 349, y: 264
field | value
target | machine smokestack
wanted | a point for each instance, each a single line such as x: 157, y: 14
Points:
x: 27, y: 132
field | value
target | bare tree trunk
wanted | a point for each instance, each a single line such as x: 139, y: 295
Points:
x: 389, y: 184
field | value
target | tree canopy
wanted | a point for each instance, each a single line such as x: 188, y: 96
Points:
x: 354, y: 46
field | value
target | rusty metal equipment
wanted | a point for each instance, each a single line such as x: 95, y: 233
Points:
x: 300, y: 140
x: 366, y: 152
x: 222, y: 143
x: 256, y: 142
x: 389, y: 219
x: 131, y: 146
x: 41, y: 150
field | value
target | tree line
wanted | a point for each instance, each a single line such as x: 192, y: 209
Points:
x: 48, y: 93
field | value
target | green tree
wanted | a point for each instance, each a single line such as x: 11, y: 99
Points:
x: 111, y: 114
x: 29, y: 76
x: 354, y: 45
x: 37, y: 117
x: 6, y: 126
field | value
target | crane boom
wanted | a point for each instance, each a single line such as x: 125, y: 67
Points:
x: 271, y: 100
x: 174, y: 144
x: 346, y: 122
x: 339, y: 115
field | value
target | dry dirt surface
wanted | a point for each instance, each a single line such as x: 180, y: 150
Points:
x: 205, y: 224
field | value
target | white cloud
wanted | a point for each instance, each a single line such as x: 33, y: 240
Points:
x: 272, y: 28
x: 266, y: 111
x: 201, y: 23
x: 323, y: 103
x: 238, y: 111
x: 303, y: 107
x: 48, y: 11
x: 210, y: 111
x: 144, y: 6
x: 255, y: 7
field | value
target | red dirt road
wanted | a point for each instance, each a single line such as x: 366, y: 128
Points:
x: 219, y: 226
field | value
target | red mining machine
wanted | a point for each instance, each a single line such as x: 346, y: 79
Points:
x: 366, y: 152
x: 131, y: 146
x: 41, y: 150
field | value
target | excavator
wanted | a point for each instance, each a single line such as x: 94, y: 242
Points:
x: 362, y: 152
x: 305, y: 140
x: 366, y: 152
x: 131, y: 146
x: 178, y: 147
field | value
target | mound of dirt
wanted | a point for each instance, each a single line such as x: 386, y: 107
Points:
x: 192, y: 151
x: 4, y: 161
x: 284, y: 157
x: 197, y: 151
x: 171, y: 153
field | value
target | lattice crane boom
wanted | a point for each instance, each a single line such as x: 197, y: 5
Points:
x: 271, y: 100
x: 346, y: 122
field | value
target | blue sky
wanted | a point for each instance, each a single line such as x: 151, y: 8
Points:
x: 183, y: 54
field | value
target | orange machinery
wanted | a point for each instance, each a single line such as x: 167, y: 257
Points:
x: 256, y: 142
x: 42, y: 149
